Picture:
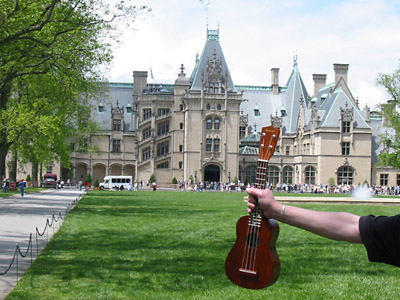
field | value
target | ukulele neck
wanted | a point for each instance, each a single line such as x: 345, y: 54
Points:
x: 261, y: 174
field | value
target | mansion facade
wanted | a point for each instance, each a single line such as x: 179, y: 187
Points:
x: 205, y: 128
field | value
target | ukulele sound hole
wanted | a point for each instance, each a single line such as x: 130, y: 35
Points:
x: 252, y: 239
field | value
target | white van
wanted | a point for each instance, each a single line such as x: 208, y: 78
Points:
x: 116, y: 182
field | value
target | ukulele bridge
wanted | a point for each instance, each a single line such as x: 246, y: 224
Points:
x: 250, y: 273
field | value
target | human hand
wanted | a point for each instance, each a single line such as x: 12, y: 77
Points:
x: 266, y: 200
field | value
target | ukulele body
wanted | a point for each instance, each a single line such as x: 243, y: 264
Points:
x: 253, y: 262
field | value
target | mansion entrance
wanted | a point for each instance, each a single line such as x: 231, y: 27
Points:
x: 212, y: 173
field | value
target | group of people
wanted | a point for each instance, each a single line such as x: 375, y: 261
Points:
x: 5, y: 184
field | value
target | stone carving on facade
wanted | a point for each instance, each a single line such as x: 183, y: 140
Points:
x: 214, y: 66
x: 216, y: 114
x: 314, y: 114
x: 117, y: 112
x: 347, y: 113
x: 276, y: 121
x: 243, y: 119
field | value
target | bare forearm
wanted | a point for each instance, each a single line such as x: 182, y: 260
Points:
x: 333, y: 225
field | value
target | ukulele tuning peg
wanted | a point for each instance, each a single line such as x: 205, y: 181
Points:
x: 262, y: 145
x: 270, y: 146
x: 263, y: 134
x: 274, y: 136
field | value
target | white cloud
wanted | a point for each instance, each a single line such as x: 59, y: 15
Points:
x: 257, y: 35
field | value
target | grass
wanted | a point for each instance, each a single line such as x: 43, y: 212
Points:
x: 18, y: 191
x: 172, y: 245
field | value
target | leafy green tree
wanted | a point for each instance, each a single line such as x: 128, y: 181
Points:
x: 391, y: 114
x: 50, y: 57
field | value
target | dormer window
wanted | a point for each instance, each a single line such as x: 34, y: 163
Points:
x: 346, y: 126
x: 257, y: 111
x: 101, y: 108
x: 116, y: 125
x: 129, y: 109
x: 283, y: 112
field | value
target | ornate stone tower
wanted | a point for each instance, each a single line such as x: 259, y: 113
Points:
x: 212, y: 113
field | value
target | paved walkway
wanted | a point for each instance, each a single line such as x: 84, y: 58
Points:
x: 19, y: 217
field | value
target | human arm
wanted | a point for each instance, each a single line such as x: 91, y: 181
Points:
x: 339, y: 226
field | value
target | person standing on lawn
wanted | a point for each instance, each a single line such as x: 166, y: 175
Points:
x: 4, y: 184
x: 380, y: 235
x: 22, y: 186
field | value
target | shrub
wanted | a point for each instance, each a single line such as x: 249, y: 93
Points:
x: 152, y: 179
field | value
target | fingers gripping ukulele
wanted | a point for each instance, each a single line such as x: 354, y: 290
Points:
x: 253, y: 262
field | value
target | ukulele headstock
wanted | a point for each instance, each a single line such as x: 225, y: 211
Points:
x: 269, y: 138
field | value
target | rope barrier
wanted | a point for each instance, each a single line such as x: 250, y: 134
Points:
x: 18, y: 252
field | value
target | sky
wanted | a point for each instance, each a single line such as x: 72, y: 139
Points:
x: 257, y: 35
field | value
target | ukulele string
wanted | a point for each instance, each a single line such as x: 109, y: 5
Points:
x: 261, y: 175
x: 255, y: 223
x: 249, y: 251
x: 254, y: 226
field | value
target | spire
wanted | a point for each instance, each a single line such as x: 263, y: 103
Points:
x: 211, y: 66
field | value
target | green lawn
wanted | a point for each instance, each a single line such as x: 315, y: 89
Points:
x: 172, y: 245
x: 17, y: 191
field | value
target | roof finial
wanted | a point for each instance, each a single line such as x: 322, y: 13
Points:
x: 295, y: 60
x: 182, y: 69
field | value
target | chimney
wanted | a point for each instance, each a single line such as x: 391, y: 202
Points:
x: 319, y: 82
x: 275, y: 80
x: 139, y: 83
x: 340, y: 71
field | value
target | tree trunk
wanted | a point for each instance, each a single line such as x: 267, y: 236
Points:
x: 3, y: 156
x: 13, y: 167
x: 35, y: 169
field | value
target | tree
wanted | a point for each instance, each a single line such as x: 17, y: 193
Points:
x: 390, y: 111
x: 50, y: 53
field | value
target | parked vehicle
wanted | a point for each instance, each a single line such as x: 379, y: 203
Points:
x: 49, y: 180
x: 116, y: 182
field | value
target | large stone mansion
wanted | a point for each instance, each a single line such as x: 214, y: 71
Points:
x: 205, y: 128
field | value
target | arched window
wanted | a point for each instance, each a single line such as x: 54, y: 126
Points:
x: 250, y: 174
x: 216, y: 123
x: 209, y: 123
x: 208, y: 106
x: 288, y: 175
x: 219, y: 107
x: 273, y: 175
x: 345, y: 175
x: 310, y: 175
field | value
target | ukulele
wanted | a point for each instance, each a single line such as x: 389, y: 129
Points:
x: 253, y: 262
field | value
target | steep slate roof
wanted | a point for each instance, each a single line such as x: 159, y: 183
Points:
x: 211, y: 48
x: 296, y: 91
x: 336, y: 98
x: 267, y: 103
x: 120, y: 92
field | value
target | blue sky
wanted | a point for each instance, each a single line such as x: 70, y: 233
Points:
x: 259, y: 35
